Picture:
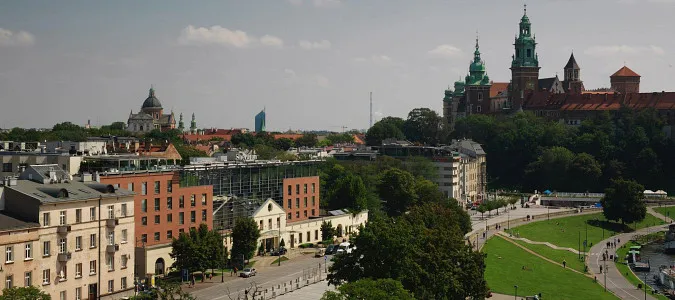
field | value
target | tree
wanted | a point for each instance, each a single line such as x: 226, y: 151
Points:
x: 307, y: 140
x: 370, y: 289
x: 431, y: 252
x: 482, y: 208
x: 118, y: 125
x: 24, y: 293
x: 397, y: 190
x: 550, y: 171
x: 340, y: 138
x: 66, y: 126
x: 245, y: 235
x: 424, y: 126
x: 348, y: 192
x: 168, y: 290
x: 284, y: 144
x: 421, y: 166
x: 427, y: 191
x: 327, y: 231
x: 624, y: 200
x: 585, y: 166
x: 387, y: 128
x: 513, y: 200
x: 200, y: 249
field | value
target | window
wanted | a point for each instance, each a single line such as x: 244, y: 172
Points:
x: 169, y: 234
x: 290, y: 190
x: 304, y: 188
x: 193, y: 216
x: 305, y: 213
x: 144, y: 188
x: 313, y: 202
x: 261, y: 225
x: 62, y: 295
x: 92, y: 267
x: 204, y: 217
x: 480, y: 96
x: 157, y: 219
x: 169, y: 188
x: 156, y: 204
x: 193, y: 200
x: 110, y: 262
x: 181, y: 218
x: 297, y: 202
x: 203, y: 199
x: 92, y: 214
x: 289, y: 216
x: 9, y: 254
x: 111, y: 238
x: 78, y: 293
x: 156, y: 236
x: 278, y: 222
x: 297, y: 214
x: 28, y: 279
x: 144, y: 205
x: 45, y: 276
x: 144, y: 238
x: 111, y: 211
x: 529, y: 52
x: 111, y: 286
x: 169, y: 203
x: 316, y: 235
x: 123, y: 282
x: 45, y: 219
x: 313, y: 213
x: 313, y: 187
x: 144, y: 221
x: 124, y: 209
x: 7, y: 167
x: 130, y: 186
x: 28, y: 251
x: 297, y: 189
x: 63, y: 274
x: 78, y: 215
x: 289, y: 202
x: 181, y: 202
x: 124, y: 235
x: 62, y: 217
x: 156, y: 187
x: 181, y: 230
x: 78, y: 270
x: 92, y: 240
x: 45, y: 248
x: 169, y: 218
x: 300, y: 237
x: 63, y: 246
x: 9, y: 281
x: 305, y: 201
x: 124, y: 261
x: 479, y: 109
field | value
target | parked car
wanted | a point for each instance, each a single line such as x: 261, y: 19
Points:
x: 331, y: 249
x: 248, y: 272
x: 280, y: 251
x: 320, y: 252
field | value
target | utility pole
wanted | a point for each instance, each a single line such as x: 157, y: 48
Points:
x: 371, y: 110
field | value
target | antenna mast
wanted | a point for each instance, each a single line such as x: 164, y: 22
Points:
x: 371, y: 110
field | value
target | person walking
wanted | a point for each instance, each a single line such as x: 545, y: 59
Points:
x: 601, y: 269
x: 564, y: 264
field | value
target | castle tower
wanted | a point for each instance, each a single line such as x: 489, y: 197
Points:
x: 181, y: 125
x: 193, y: 125
x: 477, y: 85
x: 572, y: 82
x: 525, y: 62
x: 625, y: 81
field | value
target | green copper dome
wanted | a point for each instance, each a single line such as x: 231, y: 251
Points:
x: 476, y: 69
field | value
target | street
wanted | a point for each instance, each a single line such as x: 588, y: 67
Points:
x: 301, y: 268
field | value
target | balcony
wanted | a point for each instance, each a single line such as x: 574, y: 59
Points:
x: 112, y: 222
x: 112, y: 248
x: 64, y: 257
x: 63, y: 229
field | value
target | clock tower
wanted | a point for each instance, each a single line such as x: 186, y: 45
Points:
x: 524, y: 63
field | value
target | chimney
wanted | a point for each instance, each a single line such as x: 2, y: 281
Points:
x: 22, y: 169
x: 52, y: 174
x: 86, y: 177
x: 97, y: 177
x: 12, y: 181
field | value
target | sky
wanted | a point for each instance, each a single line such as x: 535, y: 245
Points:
x: 310, y: 64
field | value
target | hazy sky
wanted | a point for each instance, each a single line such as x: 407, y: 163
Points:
x: 310, y: 63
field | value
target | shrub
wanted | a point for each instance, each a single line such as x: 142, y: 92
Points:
x: 306, y: 245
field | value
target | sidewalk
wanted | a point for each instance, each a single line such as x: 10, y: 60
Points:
x: 615, y: 281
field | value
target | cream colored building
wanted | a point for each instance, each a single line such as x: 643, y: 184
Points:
x: 11, y: 163
x: 271, y: 220
x: 472, y: 170
x: 82, y: 245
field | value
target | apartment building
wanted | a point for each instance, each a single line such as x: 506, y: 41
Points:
x: 12, y: 163
x: 77, y: 236
x: 163, y: 209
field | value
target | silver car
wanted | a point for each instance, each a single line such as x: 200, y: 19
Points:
x: 248, y: 272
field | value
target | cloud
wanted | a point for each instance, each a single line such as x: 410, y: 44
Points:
x: 217, y: 35
x: 381, y: 60
x: 446, y: 51
x: 321, y: 45
x: 318, y: 3
x: 612, y: 50
x: 271, y: 41
x: 16, y: 39
x: 292, y: 78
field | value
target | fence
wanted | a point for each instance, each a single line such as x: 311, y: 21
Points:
x: 307, y: 277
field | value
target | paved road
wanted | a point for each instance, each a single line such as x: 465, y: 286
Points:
x: 267, y: 277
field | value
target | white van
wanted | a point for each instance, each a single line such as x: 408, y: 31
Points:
x: 344, y: 248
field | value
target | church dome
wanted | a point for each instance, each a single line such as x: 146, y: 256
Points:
x: 152, y: 101
x: 477, y: 66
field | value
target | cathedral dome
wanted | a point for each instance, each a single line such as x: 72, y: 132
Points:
x: 152, y: 101
x: 477, y: 66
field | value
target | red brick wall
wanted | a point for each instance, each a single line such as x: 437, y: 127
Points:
x: 301, y: 192
x: 164, y: 226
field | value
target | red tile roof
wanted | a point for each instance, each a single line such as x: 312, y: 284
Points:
x: 498, y: 87
x: 599, y: 102
x: 625, y: 72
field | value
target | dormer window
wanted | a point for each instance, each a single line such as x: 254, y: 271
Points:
x: 529, y: 53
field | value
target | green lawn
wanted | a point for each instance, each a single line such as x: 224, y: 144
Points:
x: 504, y: 265
x: 665, y: 210
x: 572, y: 259
x: 625, y: 270
x: 566, y: 232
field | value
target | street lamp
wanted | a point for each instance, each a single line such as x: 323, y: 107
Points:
x: 516, y: 296
x: 646, y: 285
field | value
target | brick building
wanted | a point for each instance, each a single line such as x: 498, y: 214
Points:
x: 301, y: 198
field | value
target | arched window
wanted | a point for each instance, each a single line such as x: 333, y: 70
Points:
x: 479, y: 108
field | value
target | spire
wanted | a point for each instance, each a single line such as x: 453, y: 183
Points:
x: 572, y: 63
x: 525, y: 9
x: 152, y: 91
x: 476, y: 54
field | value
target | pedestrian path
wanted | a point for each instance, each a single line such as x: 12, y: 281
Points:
x: 505, y: 237
x: 542, y: 243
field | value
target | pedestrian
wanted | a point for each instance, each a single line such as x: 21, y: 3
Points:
x: 609, y: 244
x: 564, y: 264
x: 618, y: 241
x: 600, y: 269
x: 193, y: 280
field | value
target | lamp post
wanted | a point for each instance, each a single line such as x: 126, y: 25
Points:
x: 516, y: 296
x: 548, y: 211
x: 605, y: 273
x: 508, y: 220
x: 646, y: 285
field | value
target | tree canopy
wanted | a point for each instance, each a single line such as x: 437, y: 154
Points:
x: 200, y: 249
x: 24, y: 293
x: 245, y: 235
x: 385, y: 289
x: 624, y: 200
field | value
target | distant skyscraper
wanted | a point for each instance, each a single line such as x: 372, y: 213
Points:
x: 260, y: 121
